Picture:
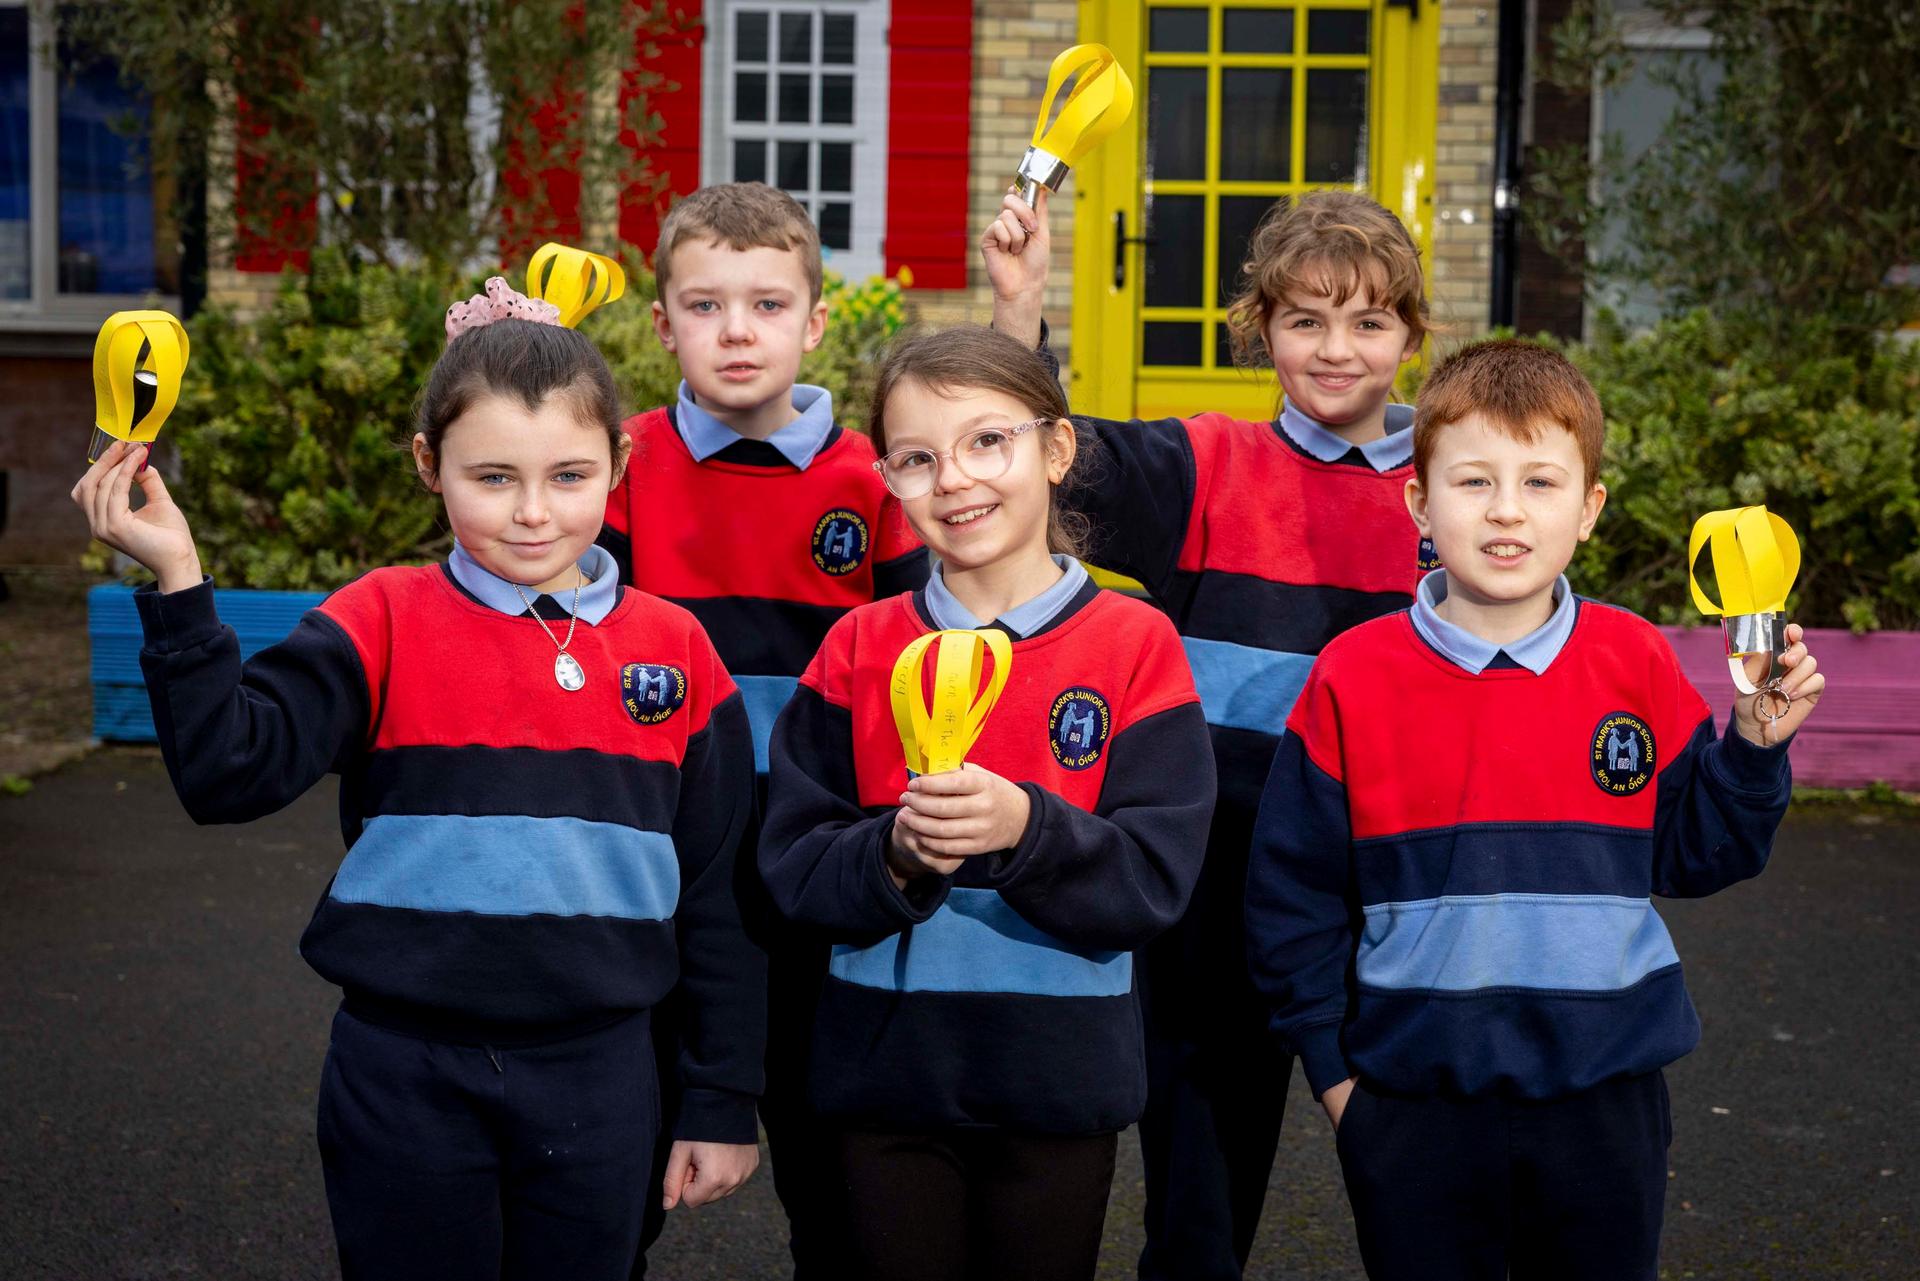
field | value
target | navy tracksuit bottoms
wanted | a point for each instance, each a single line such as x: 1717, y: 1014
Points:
x: 479, y: 1162
x: 1483, y: 1189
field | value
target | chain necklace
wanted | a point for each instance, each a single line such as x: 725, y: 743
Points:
x: 566, y: 668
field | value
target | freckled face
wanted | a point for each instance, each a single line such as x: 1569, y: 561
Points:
x: 1504, y: 515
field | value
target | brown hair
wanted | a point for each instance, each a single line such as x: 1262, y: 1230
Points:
x: 741, y: 216
x: 1332, y: 242
x: 524, y: 361
x: 1518, y: 388
x: 974, y: 358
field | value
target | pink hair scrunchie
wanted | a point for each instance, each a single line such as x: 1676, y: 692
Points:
x: 501, y: 302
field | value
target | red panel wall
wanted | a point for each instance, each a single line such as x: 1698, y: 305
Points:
x: 673, y: 53
x: 929, y: 123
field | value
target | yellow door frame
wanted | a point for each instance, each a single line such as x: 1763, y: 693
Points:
x: 1403, y: 87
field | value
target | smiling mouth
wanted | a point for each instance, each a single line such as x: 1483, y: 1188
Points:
x: 1506, y: 551
x: 970, y: 515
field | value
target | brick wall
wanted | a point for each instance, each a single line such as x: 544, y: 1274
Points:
x: 1014, y: 41
x: 1463, y: 173
x: 45, y: 421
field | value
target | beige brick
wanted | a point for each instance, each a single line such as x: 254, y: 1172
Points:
x: 1003, y: 49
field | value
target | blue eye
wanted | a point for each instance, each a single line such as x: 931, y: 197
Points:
x: 569, y: 477
x: 705, y: 305
x: 490, y: 477
x: 771, y: 304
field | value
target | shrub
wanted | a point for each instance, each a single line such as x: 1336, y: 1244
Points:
x: 292, y: 427
x: 1697, y: 421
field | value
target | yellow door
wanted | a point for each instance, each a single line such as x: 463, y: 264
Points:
x: 1240, y: 103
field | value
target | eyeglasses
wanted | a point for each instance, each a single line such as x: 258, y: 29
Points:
x: 980, y: 455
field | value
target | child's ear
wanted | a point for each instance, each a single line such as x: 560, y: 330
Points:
x: 622, y: 455
x: 1416, y: 496
x: 1590, y: 510
x: 662, y: 325
x: 816, y: 326
x: 1062, y: 446
x: 424, y: 462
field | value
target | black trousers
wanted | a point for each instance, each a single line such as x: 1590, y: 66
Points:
x: 1483, y: 1189
x: 802, y: 1150
x: 472, y: 1163
x: 975, y: 1205
x: 1216, y: 1082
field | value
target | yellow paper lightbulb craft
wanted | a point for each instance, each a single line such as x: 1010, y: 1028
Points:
x: 937, y: 737
x: 1101, y: 101
x: 138, y: 360
x: 573, y: 280
x: 1755, y: 559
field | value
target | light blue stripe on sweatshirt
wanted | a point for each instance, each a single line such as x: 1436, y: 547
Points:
x: 511, y: 865
x: 1246, y: 688
x: 1558, y: 942
x: 763, y: 697
x: 976, y: 943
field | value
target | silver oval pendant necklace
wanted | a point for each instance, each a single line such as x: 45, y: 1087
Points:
x: 567, y: 672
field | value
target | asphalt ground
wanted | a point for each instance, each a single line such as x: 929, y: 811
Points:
x: 161, y: 1042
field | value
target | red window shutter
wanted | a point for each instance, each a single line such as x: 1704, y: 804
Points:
x: 287, y: 204
x: 929, y: 123
x: 545, y: 203
x: 671, y: 51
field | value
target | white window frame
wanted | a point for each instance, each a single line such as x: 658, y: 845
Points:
x: 1641, y: 33
x: 866, y: 254
x: 45, y: 309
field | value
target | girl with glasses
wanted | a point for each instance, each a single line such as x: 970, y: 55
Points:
x: 978, y: 1044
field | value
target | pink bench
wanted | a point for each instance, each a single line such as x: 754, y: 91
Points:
x: 1868, y: 727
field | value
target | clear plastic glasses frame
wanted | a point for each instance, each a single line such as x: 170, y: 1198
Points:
x: 907, y: 478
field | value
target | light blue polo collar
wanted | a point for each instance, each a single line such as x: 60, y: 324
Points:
x: 597, y: 598
x: 799, y: 442
x: 1535, y: 651
x: 1390, y: 451
x: 1023, y: 619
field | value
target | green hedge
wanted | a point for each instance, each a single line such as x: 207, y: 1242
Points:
x: 1828, y: 437
x: 292, y: 427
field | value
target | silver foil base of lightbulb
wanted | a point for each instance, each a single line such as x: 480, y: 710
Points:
x: 146, y: 389
x: 1752, y: 636
x: 1038, y: 169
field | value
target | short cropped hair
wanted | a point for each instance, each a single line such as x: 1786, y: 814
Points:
x: 1517, y: 387
x: 1333, y: 242
x: 741, y: 216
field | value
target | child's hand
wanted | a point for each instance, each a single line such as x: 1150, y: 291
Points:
x: 963, y: 812
x: 1803, y: 684
x: 157, y: 535
x: 699, y: 1173
x: 1017, y: 247
x: 1334, y: 1100
x: 908, y: 857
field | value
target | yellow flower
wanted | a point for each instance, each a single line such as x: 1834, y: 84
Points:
x: 905, y: 277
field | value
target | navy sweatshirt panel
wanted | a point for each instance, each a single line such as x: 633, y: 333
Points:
x: 1452, y: 872
x: 1101, y: 728
x: 524, y: 862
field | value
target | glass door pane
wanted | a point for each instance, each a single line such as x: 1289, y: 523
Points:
x: 1248, y: 103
